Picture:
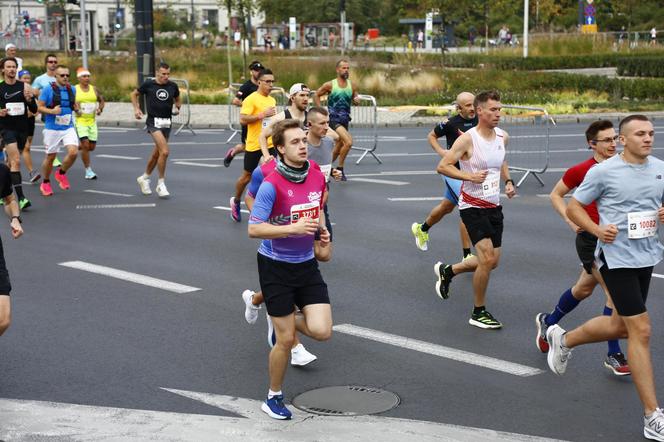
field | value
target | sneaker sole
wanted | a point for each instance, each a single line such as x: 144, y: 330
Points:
x: 34, y: 179
x: 484, y: 326
x: 549, y: 357
x: 231, y: 204
x: 649, y: 434
x: 615, y: 372
x: 91, y: 178
x: 303, y: 363
x: 413, y: 230
x: 539, y: 333
x: 247, y: 307
x: 273, y: 415
x: 439, y: 282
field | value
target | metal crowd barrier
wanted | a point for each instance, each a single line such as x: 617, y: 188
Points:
x: 279, y: 94
x: 528, y: 146
x: 365, y: 114
x: 183, y: 119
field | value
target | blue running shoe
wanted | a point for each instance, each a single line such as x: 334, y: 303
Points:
x: 275, y: 408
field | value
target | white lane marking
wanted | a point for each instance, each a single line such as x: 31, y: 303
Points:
x: 546, y: 195
x: 371, y: 180
x: 439, y: 350
x: 229, y: 209
x: 115, y: 206
x: 37, y: 420
x: 117, y: 157
x: 426, y: 172
x: 657, y: 275
x: 101, y: 192
x: 425, y: 198
x: 197, y: 159
x: 129, y: 276
x: 187, y: 163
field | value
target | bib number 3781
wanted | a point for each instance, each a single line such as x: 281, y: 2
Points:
x: 308, y: 210
x: 641, y: 224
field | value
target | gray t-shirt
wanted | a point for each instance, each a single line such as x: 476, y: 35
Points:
x: 322, y: 155
x: 620, y: 189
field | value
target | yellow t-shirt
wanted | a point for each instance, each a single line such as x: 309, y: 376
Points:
x: 254, y: 104
x: 87, y: 103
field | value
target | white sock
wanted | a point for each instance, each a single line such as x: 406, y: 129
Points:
x: 271, y: 394
x: 160, y: 181
x: 145, y: 176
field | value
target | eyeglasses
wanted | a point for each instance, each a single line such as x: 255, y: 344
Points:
x: 606, y: 140
x: 63, y: 75
x: 52, y: 61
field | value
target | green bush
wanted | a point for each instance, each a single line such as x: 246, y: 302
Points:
x: 641, y: 67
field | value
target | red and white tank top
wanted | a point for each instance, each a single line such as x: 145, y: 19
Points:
x: 487, y: 155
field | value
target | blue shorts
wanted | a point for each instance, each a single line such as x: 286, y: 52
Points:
x: 452, y: 189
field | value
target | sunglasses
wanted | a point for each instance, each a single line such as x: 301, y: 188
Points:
x: 52, y: 61
x: 63, y: 75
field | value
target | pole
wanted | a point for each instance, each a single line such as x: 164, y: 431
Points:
x: 228, y: 47
x: 525, y: 28
x: 193, y: 23
x: 343, y: 31
x: 84, y: 35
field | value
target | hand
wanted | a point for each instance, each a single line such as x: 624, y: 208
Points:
x: 336, y: 174
x: 17, y: 230
x: 574, y: 227
x: 607, y: 234
x: 176, y: 111
x: 660, y: 214
x: 56, y: 110
x: 510, y: 190
x: 324, y: 236
x: 99, y: 110
x: 3, y: 112
x: 269, y: 112
x: 27, y: 92
x: 478, y: 177
x: 138, y: 114
x: 266, y: 159
x: 356, y: 100
x: 304, y: 226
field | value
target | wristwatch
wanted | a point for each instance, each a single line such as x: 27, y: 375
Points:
x: 18, y: 218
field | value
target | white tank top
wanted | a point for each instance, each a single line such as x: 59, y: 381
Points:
x: 487, y: 155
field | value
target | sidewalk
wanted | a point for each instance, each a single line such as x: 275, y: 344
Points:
x: 210, y: 116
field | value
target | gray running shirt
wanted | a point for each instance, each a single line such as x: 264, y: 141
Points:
x: 322, y: 155
x: 621, y: 188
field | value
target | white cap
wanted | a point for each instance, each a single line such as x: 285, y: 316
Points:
x: 297, y: 88
x: 81, y: 72
x: 9, y: 46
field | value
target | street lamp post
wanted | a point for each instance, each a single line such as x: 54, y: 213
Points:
x: 84, y: 36
x: 525, y: 28
x: 193, y: 23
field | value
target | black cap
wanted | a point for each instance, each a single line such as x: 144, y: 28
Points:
x: 255, y: 66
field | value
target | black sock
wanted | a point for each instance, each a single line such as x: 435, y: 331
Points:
x: 449, y: 273
x: 425, y: 227
x: 46, y: 181
x: 466, y: 252
x: 478, y: 310
x: 17, y: 183
x: 62, y: 172
x: 340, y: 167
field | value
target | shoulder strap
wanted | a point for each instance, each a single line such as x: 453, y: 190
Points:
x: 57, y: 99
x: 287, y: 114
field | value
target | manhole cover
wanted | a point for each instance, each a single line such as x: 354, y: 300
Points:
x: 346, y: 400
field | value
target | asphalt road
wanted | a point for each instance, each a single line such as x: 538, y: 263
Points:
x: 83, y: 338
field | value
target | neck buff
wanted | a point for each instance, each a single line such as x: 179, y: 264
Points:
x: 292, y: 174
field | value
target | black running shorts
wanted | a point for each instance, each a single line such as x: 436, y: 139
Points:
x: 12, y: 136
x: 484, y: 223
x: 166, y: 131
x: 5, y: 285
x: 252, y: 159
x: 285, y: 285
x: 585, y: 248
x: 628, y: 288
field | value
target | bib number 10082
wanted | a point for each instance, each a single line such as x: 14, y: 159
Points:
x: 641, y: 224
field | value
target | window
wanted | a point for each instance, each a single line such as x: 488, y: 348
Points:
x: 211, y: 18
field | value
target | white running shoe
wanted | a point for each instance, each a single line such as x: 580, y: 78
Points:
x: 271, y: 335
x: 558, y: 355
x: 162, y: 191
x: 250, y: 310
x: 300, y: 356
x: 144, y: 184
x: 653, y: 425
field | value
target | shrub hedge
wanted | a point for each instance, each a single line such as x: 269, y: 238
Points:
x: 641, y: 66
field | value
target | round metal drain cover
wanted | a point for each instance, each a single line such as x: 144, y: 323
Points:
x: 346, y: 400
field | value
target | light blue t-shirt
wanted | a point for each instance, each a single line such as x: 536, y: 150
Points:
x: 42, y: 81
x: 620, y: 188
x: 65, y: 120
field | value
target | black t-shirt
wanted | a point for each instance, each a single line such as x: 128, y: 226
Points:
x: 13, y: 94
x: 6, y: 187
x: 160, y: 98
x: 453, y: 129
x: 248, y: 88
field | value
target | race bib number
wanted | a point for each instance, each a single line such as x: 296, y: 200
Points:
x: 162, y: 123
x: 88, y: 108
x: 308, y: 210
x: 327, y: 170
x: 265, y: 122
x: 63, y: 120
x: 491, y: 185
x: 641, y: 224
x: 15, y: 109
